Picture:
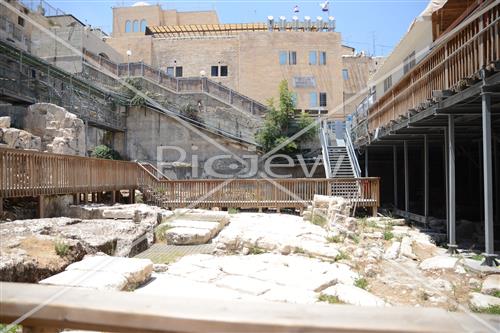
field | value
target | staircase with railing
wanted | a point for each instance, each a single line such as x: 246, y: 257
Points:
x: 339, y: 157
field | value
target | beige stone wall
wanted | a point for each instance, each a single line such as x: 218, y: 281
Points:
x: 155, y: 16
x: 140, y: 45
x: 253, y: 62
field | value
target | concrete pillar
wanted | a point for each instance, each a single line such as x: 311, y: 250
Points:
x: 426, y: 178
x: 41, y: 206
x: 488, y: 183
x: 113, y: 197
x: 452, y: 245
x: 131, y: 196
x: 76, y: 199
x: 407, y: 177
x: 395, y: 172
x: 447, y: 197
x: 366, y: 162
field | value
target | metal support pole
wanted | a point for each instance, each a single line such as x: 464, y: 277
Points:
x: 366, y: 162
x: 452, y: 246
x: 426, y: 177
x: 395, y: 171
x: 407, y: 180
x: 488, y: 183
x: 445, y: 159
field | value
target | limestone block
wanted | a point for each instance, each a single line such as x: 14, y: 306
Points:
x: 483, y: 301
x: 187, y: 236
x: 244, y: 284
x: 491, y: 284
x: 406, y: 248
x: 4, y: 122
x: 321, y: 201
x: 88, y: 279
x: 202, y: 215
x: 439, y: 262
x: 290, y: 295
x: 393, y: 251
x: 353, y: 295
x: 135, y: 270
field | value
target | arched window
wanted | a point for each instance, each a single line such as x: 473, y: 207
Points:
x: 128, y: 26
x: 136, y: 26
x: 143, y: 25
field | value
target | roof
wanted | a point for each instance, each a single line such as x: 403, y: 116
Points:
x: 219, y: 29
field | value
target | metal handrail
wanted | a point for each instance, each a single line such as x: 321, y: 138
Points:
x: 324, y: 149
x: 352, y: 153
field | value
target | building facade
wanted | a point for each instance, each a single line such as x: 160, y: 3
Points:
x: 252, y: 59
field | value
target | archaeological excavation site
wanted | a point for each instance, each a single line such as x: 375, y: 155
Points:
x: 249, y: 167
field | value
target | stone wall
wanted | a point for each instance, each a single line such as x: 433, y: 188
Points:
x: 147, y: 130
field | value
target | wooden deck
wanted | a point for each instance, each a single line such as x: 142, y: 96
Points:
x: 34, y: 174
x: 454, y: 63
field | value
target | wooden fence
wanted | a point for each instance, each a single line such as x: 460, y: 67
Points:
x: 28, y: 173
x: 455, y: 58
x: 111, y: 311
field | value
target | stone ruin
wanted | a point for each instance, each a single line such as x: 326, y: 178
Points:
x: 331, y: 212
x: 48, y: 128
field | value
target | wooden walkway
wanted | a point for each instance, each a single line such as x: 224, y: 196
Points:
x: 35, y: 174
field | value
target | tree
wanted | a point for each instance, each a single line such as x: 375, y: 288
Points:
x: 280, y: 124
x: 103, y: 151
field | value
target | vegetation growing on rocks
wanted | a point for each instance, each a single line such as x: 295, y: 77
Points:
x: 61, y: 248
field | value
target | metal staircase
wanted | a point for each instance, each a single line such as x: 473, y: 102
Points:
x: 339, y: 157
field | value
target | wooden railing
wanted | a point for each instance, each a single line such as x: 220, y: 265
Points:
x: 258, y: 193
x: 28, y: 173
x: 457, y: 56
x: 47, y: 309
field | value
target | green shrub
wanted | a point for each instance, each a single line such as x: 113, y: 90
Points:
x: 61, y: 248
x: 299, y: 250
x: 493, y: 309
x: 160, y: 231
x: 13, y: 329
x: 233, y: 211
x: 105, y: 152
x: 334, y: 239
x: 329, y: 299
x: 361, y: 283
x: 388, y: 235
x: 256, y: 250
x: 341, y: 256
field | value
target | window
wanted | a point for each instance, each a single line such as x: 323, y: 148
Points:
x: 223, y: 70
x: 143, y: 25
x: 322, y: 58
x: 313, y: 99
x: 409, y: 62
x: 170, y: 71
x: 214, y: 71
x: 178, y: 71
x: 387, y: 83
x: 294, y: 99
x: 313, y: 58
x: 345, y: 74
x: 128, y: 26
x: 20, y: 21
x: 283, y: 56
x: 136, y: 26
x: 322, y: 99
x: 292, y: 58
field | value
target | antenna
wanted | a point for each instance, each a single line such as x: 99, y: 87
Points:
x: 373, y: 44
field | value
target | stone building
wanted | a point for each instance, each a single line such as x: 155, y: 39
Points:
x: 249, y: 58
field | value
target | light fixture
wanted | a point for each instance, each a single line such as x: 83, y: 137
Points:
x: 203, y: 73
x: 129, y: 53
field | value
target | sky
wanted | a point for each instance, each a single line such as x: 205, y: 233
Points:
x: 362, y: 23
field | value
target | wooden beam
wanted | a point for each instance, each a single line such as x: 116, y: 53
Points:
x: 109, y: 311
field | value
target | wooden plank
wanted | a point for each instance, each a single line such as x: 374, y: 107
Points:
x: 87, y: 309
